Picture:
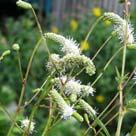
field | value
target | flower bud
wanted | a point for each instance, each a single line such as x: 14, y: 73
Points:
x: 78, y: 116
x: 24, y: 4
x: 16, y: 47
x: 5, y: 53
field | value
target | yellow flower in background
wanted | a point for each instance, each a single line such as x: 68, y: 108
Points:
x: 54, y: 29
x: 107, y: 22
x: 100, y: 98
x: 96, y: 11
x: 73, y: 24
x: 84, y: 45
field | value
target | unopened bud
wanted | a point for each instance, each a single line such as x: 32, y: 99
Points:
x: 24, y: 4
x: 16, y: 47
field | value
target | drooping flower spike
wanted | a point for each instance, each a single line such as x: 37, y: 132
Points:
x: 69, y: 46
x: 85, y: 106
x: 123, y: 28
x: 65, y: 110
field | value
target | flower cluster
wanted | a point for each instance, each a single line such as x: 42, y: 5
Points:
x: 66, y: 89
x: 123, y: 28
x: 70, y: 61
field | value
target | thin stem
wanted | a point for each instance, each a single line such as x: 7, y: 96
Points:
x: 10, y: 117
x: 48, y: 124
x: 24, y: 86
x: 92, y: 28
x: 107, y: 123
x: 111, y: 102
x: 37, y: 21
x: 108, y: 39
x: 27, y: 72
x: 121, y: 108
x: 109, y: 111
x: 106, y: 65
x: 20, y: 66
x: 43, y: 95
x: 102, y: 113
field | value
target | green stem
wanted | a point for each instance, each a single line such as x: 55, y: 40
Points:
x: 120, y: 120
x: 23, y: 87
x: 107, y: 123
x: 37, y: 21
x: 48, y: 124
x: 10, y: 117
x: 106, y: 66
x: 102, y: 46
x: 92, y: 28
x: 121, y: 108
x: 44, y: 93
x: 20, y: 66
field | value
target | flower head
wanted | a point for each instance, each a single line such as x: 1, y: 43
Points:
x: 78, y: 61
x: 53, y: 60
x: 73, y: 24
x: 84, y: 46
x: 72, y: 87
x: 69, y: 46
x: 65, y: 110
x: 96, y: 11
x: 24, y: 4
x: 15, y: 47
x: 59, y: 81
x: 25, y: 125
x: 54, y: 29
x: 100, y: 98
x: 123, y: 28
x: 86, y: 90
x: 125, y: 31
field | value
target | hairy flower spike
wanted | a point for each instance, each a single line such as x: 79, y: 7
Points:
x: 69, y: 46
x: 116, y: 19
x: 72, y: 87
x: 24, y: 4
x: 87, y: 108
x: 78, y: 61
x: 54, y: 60
x: 124, y: 29
x: 25, y: 125
x: 86, y: 90
x: 65, y: 109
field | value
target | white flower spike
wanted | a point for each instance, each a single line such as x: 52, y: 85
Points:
x: 69, y: 46
x: 25, y: 125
